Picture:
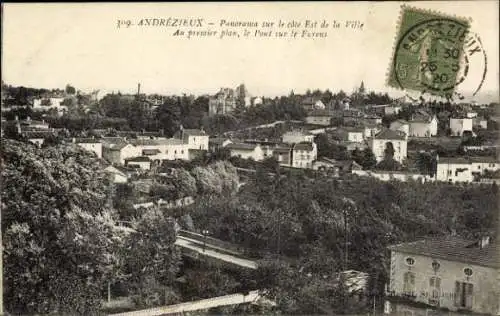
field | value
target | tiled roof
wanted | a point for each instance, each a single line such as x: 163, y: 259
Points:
x: 37, y: 134
x: 320, y: 113
x: 282, y: 149
x: 390, y: 134
x: 87, y: 140
x: 241, y: 146
x: 454, y: 160
x: 484, y: 159
x: 195, y: 132
x: 303, y: 146
x: 139, y: 159
x: 217, y: 140
x: 453, y: 249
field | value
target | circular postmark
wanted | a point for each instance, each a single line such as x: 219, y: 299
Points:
x: 440, y: 57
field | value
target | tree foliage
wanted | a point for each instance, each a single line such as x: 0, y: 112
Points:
x: 58, y: 232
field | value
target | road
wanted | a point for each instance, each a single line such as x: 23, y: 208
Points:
x: 225, y: 300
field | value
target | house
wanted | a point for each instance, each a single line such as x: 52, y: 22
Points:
x: 216, y: 143
x: 481, y: 164
x: 283, y: 154
x: 454, y: 170
x: 371, y: 130
x: 37, y: 137
x: 423, y: 124
x: 194, y: 138
x: 256, y: 101
x: 385, y: 139
x: 311, y: 103
x: 246, y: 151
x: 90, y: 144
x: 372, y: 119
x: 293, y: 137
x: 460, y: 125
x: 350, y: 134
x: 29, y: 124
x: 402, y: 126
x: 444, y: 273
x: 116, y: 153
x: 41, y: 104
x: 162, y: 149
x: 471, y: 114
x: 392, y: 109
x: 319, y: 117
x: 141, y: 162
x: 303, y: 154
x: 480, y: 122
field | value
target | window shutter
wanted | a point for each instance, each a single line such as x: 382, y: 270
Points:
x: 431, y: 282
x: 438, y: 283
x: 457, y: 293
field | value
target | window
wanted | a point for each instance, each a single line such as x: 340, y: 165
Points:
x: 409, y: 284
x: 435, y: 290
x: 449, y: 172
x: 468, y: 272
x: 175, y: 152
x: 463, y: 294
x: 435, y: 265
x: 410, y: 261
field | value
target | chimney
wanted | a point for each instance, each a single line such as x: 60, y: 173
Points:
x: 138, y: 88
x: 485, y: 241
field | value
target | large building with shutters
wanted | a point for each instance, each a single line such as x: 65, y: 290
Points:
x: 443, y: 276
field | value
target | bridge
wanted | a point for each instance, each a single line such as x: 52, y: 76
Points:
x: 232, y: 299
x: 202, y: 245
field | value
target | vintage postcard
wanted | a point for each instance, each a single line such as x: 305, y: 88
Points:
x: 241, y: 158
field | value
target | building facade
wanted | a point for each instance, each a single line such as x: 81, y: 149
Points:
x: 382, y: 140
x: 460, y: 125
x: 448, y: 273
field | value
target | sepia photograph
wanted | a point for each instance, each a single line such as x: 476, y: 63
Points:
x: 250, y: 158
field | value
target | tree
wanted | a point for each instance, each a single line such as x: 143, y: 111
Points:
x: 151, y: 259
x: 369, y: 160
x: 70, y: 90
x: 59, y: 235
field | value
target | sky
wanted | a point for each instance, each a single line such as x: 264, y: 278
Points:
x: 51, y: 45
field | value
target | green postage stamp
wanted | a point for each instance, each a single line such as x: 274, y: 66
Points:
x: 430, y: 54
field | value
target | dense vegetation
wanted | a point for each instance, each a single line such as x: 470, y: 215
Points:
x: 302, y: 221
x: 61, y: 242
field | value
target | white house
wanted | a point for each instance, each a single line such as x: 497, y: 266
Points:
x: 481, y: 164
x: 162, y: 149
x: 117, y: 153
x: 388, y: 137
x: 246, y: 151
x: 480, y: 122
x: 460, y: 125
x: 471, y: 114
x: 402, y: 126
x: 256, y: 101
x: 90, y: 144
x: 304, y: 154
x: 454, y: 170
x: 423, y: 124
x: 351, y: 134
x: 392, y: 109
x: 41, y: 104
x: 194, y: 138
x: 293, y: 137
